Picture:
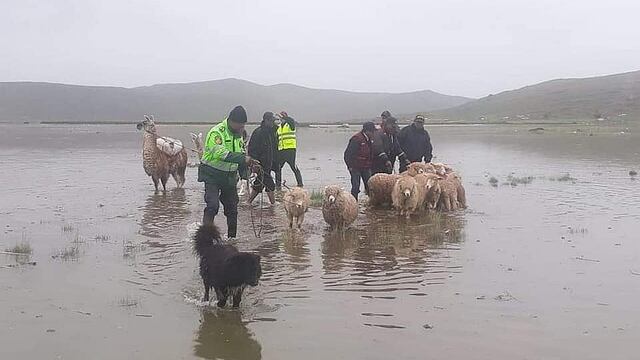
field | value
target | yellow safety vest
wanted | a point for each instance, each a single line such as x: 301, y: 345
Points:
x: 286, y: 137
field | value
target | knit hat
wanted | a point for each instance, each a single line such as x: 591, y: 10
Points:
x: 238, y: 115
x: 369, y: 126
x: 385, y: 114
x: 268, y: 116
x: 419, y: 118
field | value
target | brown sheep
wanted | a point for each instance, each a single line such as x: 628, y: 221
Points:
x: 430, y: 183
x: 461, y: 193
x: 406, y: 196
x: 296, y: 204
x: 162, y: 156
x: 339, y: 207
x: 380, y: 188
x: 416, y: 168
x: 449, y: 196
x: 442, y: 169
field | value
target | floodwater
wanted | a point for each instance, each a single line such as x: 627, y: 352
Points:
x: 544, y: 270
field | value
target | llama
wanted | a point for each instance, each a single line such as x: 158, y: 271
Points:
x: 162, y: 156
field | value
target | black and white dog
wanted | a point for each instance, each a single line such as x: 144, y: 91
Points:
x: 224, y: 268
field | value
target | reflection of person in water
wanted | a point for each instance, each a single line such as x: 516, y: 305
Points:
x: 223, y: 335
x: 163, y: 211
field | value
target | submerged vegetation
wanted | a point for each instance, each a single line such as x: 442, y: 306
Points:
x: 316, y: 198
x: 563, y: 178
x: 68, y: 253
x: 23, y: 248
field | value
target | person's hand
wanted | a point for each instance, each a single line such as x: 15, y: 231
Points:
x: 388, y: 165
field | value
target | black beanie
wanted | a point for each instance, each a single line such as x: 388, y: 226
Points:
x: 238, y: 115
x: 268, y: 116
x: 369, y: 126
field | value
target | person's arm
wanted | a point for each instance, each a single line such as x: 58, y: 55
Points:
x: 253, y: 146
x: 292, y: 123
x: 378, y: 146
x: 397, y: 149
x: 428, y: 155
x: 215, y: 147
x: 350, y: 153
x: 402, y: 139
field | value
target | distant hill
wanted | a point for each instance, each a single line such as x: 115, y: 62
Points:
x: 589, y: 98
x: 203, y: 101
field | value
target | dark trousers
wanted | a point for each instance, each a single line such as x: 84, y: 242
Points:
x: 287, y: 156
x: 214, y: 194
x: 356, y: 176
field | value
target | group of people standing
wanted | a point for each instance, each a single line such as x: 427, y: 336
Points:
x: 225, y: 158
x: 375, y: 149
x: 273, y: 144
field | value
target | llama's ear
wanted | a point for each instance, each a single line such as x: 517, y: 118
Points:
x: 193, y: 136
x: 152, y: 119
x: 146, y: 117
x: 200, y: 136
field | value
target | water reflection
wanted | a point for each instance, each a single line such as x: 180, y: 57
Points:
x: 224, y: 335
x: 163, y: 211
x: 386, y: 253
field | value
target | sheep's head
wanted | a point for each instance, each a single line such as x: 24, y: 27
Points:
x: 442, y: 169
x: 331, y: 193
x: 407, y: 186
x: 148, y: 124
x: 416, y: 168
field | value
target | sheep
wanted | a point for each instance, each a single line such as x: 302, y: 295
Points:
x: 339, y: 207
x: 442, y: 169
x: 380, y: 188
x: 460, y: 192
x: 419, y: 168
x: 162, y: 156
x: 430, y: 186
x: 296, y: 204
x: 406, y: 196
x: 449, y: 197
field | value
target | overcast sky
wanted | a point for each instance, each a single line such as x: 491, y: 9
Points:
x: 470, y: 48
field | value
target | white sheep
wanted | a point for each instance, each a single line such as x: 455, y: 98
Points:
x: 406, y: 196
x: 339, y: 207
x: 416, y: 168
x: 296, y: 204
x: 380, y: 188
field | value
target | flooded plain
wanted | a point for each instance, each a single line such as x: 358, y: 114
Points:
x: 545, y: 263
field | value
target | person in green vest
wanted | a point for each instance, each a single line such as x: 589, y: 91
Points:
x: 287, y: 145
x: 224, y: 153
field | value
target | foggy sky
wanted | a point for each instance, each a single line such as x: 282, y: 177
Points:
x: 469, y: 48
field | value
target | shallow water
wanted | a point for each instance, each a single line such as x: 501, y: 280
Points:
x: 549, y: 269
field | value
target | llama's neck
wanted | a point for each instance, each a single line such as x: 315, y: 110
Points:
x: 149, y: 143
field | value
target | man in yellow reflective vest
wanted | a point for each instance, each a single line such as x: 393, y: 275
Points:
x: 287, y: 145
x: 223, y: 155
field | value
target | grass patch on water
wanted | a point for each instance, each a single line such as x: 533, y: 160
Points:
x: 564, y: 178
x: 317, y: 197
x: 103, y: 238
x: 67, y: 228
x: 493, y: 181
x: 23, y: 248
x: 71, y: 253
x: 515, y: 180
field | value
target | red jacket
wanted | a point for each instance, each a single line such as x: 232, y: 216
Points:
x: 359, y: 152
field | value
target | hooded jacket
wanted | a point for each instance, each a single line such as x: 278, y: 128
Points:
x: 416, y: 143
x: 263, y: 146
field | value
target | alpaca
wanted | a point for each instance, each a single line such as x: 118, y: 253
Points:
x: 416, y: 168
x: 162, y: 156
x: 339, y: 207
x: 406, y: 196
x: 296, y: 204
x: 380, y: 188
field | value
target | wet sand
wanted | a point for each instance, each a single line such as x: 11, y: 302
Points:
x: 545, y: 270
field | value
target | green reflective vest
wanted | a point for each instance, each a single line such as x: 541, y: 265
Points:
x: 286, y: 137
x: 223, y: 150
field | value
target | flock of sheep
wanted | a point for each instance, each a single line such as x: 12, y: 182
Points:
x: 423, y: 187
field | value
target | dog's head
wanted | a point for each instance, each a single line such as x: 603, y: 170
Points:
x: 246, y: 267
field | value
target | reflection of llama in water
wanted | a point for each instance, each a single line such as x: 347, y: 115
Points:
x: 224, y: 335
x: 162, y: 156
x: 164, y: 211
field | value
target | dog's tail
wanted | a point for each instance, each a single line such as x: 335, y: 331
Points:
x: 205, y: 236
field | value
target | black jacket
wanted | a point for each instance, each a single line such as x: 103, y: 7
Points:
x: 359, y: 152
x: 386, y: 147
x: 289, y: 120
x: 263, y: 146
x: 416, y: 144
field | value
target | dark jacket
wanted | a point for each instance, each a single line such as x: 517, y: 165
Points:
x: 263, y: 146
x: 386, y: 147
x: 416, y: 144
x: 289, y: 120
x: 359, y: 152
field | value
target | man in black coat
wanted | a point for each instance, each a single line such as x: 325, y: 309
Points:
x: 415, y: 142
x: 386, y: 146
x: 263, y: 146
